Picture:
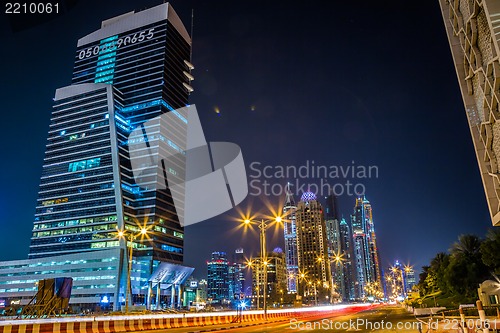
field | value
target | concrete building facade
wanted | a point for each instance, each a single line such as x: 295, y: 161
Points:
x: 473, y: 29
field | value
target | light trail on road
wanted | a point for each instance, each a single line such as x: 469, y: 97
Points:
x: 380, y: 320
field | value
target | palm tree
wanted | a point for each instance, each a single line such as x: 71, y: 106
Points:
x: 439, y: 260
x: 467, y: 246
x: 466, y: 268
x: 439, y: 264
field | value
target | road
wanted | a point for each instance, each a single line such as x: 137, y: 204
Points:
x: 381, y: 320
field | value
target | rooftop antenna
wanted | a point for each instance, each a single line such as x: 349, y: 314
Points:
x: 192, y: 29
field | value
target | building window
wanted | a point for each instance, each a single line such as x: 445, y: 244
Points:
x: 83, y: 165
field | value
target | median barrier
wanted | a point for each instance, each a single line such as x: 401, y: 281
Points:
x: 151, y: 322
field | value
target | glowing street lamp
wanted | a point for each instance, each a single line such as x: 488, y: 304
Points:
x: 131, y: 237
x: 263, y: 226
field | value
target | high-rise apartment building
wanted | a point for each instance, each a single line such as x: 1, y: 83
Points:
x: 346, y: 288
x: 472, y: 28
x: 276, y: 281
x: 332, y: 224
x: 312, y: 247
x: 276, y: 276
x: 218, y: 278
x: 134, y: 68
x: 290, y: 232
x: 410, y: 279
x: 365, y: 253
x: 339, y: 250
x: 201, y: 291
x: 237, y: 274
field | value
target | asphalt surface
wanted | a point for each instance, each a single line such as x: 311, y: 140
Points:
x: 381, y: 320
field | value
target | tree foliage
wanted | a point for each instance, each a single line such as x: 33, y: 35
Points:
x: 470, y: 261
x: 490, y: 250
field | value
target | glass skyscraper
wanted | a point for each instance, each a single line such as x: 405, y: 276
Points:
x: 366, y: 257
x: 218, y: 279
x: 134, y: 68
x: 348, y: 283
x: 290, y: 233
x: 339, y: 250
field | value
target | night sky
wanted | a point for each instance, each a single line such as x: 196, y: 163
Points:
x: 365, y: 84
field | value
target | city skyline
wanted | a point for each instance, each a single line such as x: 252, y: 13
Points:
x: 344, y: 255
x: 363, y: 142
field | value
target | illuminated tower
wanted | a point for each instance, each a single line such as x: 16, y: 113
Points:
x: 339, y: 250
x: 472, y: 28
x: 218, y: 278
x: 400, y: 280
x: 134, y: 68
x: 347, y: 285
x: 314, y: 267
x: 332, y: 224
x: 290, y: 231
x: 366, y: 257
x: 237, y: 273
x: 130, y: 70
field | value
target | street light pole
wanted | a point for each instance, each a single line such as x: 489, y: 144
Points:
x: 315, y: 295
x: 263, y: 256
x: 253, y: 266
x: 132, y: 237
x: 257, y: 283
x: 263, y: 261
x: 407, y: 269
x: 403, y: 284
x: 129, y: 270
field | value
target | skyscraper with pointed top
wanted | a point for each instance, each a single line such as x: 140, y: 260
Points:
x: 315, y: 282
x: 290, y: 232
x: 366, y: 257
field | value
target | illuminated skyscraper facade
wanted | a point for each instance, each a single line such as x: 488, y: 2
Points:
x: 134, y: 68
x: 339, y: 250
x: 400, y: 280
x: 365, y: 253
x: 276, y: 272
x: 312, y: 247
x: 129, y: 71
x: 237, y: 273
x: 346, y: 288
x: 290, y: 232
x: 332, y: 225
x: 472, y: 28
x: 218, y: 281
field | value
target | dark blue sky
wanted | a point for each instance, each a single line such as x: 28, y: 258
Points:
x: 297, y: 81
